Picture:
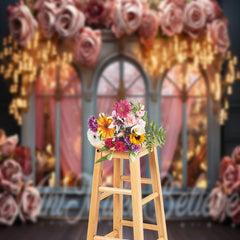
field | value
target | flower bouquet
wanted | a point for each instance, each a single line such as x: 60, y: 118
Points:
x: 126, y: 130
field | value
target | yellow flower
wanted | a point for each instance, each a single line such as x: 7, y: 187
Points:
x: 137, y: 139
x: 103, y: 127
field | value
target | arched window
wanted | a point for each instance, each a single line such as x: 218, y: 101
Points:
x: 184, y: 114
x: 120, y: 79
x: 58, y: 121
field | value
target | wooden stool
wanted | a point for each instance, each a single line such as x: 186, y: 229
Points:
x: 99, y: 193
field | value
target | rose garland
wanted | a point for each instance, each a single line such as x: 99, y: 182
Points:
x: 16, y: 196
x: 126, y: 130
x: 224, y: 199
x: 68, y: 19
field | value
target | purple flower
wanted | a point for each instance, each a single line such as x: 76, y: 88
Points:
x: 136, y: 148
x: 127, y: 140
x: 92, y: 124
x: 126, y: 148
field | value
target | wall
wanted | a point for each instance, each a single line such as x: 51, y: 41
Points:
x: 7, y: 122
x: 231, y: 130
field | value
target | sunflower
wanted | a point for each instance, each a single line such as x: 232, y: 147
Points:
x: 137, y: 139
x: 103, y: 127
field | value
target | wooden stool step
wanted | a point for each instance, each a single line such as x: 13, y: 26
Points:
x: 115, y: 190
x: 152, y: 227
x: 150, y: 198
x: 143, y: 180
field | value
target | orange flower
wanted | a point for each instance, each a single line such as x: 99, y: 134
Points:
x: 104, y: 129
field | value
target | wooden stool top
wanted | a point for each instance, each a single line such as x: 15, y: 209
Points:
x: 125, y: 155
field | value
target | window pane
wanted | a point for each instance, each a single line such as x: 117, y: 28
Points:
x: 71, y: 142
x: 45, y: 141
x: 171, y: 153
x: 197, y: 143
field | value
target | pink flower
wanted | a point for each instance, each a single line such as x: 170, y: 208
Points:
x: 211, y: 8
x: 236, y: 154
x: 218, y: 204
x: 141, y: 122
x: 194, y: 19
x: 8, y: 209
x: 127, y: 17
x: 22, y: 156
x: 148, y: 28
x: 140, y: 113
x: 10, y: 175
x: 122, y: 108
x: 88, y: 47
x: 95, y: 13
x: 22, y: 24
x: 131, y: 120
x: 30, y: 203
x: 228, y: 173
x: 171, y: 19
x: 3, y: 137
x: 7, y: 148
x: 219, y: 34
x: 46, y: 18
x: 69, y: 21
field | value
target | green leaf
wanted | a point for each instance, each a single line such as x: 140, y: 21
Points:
x: 104, y: 148
x: 132, y: 156
x: 106, y: 157
x: 1, y: 159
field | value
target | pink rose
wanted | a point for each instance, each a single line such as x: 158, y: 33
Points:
x: 194, y: 19
x: 211, y: 8
x: 46, y: 18
x: 8, y: 209
x: 40, y: 3
x: 140, y: 113
x: 127, y: 17
x: 7, y: 148
x: 87, y: 47
x: 218, y: 204
x: 148, y: 28
x: 22, y: 156
x: 228, y: 173
x: 30, y: 203
x: 3, y: 137
x: 236, y: 154
x: 95, y: 13
x: 171, y: 19
x: 10, y: 175
x: 22, y: 24
x: 219, y: 34
x: 69, y: 21
x: 131, y: 120
x: 141, y: 122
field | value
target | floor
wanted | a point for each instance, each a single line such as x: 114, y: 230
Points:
x: 61, y: 230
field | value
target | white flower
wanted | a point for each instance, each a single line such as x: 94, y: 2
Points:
x: 94, y: 138
x: 141, y: 122
x: 138, y: 129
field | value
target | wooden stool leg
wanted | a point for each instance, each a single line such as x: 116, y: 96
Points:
x: 95, y: 198
x: 158, y: 202
x: 117, y: 198
x: 136, y: 199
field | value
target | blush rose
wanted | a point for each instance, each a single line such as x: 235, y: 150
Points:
x: 87, y: 47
